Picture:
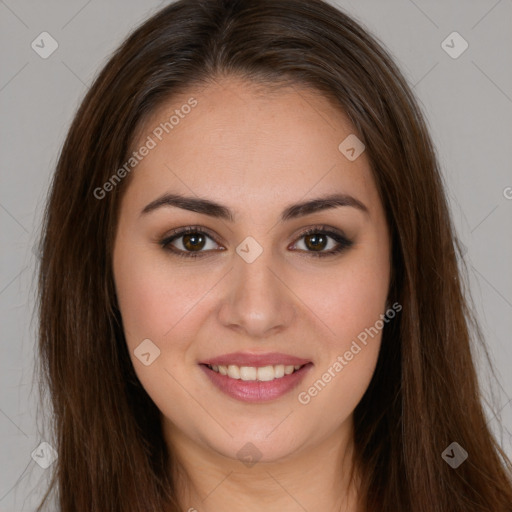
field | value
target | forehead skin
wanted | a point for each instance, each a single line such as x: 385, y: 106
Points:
x: 263, y: 148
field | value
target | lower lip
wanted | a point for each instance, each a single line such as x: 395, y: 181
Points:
x: 253, y: 390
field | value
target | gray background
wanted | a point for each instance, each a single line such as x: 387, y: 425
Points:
x: 467, y: 101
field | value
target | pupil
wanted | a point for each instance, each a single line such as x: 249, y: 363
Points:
x: 193, y: 241
x: 315, y: 241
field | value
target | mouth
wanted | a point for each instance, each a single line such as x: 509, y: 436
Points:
x: 256, y: 384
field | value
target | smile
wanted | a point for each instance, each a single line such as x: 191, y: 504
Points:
x: 256, y: 384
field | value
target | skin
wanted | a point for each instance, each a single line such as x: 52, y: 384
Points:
x: 256, y: 152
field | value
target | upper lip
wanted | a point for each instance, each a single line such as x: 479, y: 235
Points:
x: 248, y: 359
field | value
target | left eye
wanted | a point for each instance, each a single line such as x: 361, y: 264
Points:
x: 318, y: 241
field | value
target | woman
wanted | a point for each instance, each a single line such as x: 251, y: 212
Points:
x: 249, y: 292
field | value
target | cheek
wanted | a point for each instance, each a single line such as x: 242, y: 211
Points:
x: 350, y: 304
x: 347, y: 300
x: 154, y: 300
x: 154, y: 304
x: 347, y: 358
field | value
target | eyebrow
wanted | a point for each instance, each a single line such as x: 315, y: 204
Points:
x: 213, y: 209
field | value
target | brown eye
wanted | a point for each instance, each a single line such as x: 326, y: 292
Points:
x: 194, y: 241
x: 323, y: 241
x: 189, y: 242
x: 316, y: 242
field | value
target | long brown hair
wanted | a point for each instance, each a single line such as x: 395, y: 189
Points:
x: 424, y: 394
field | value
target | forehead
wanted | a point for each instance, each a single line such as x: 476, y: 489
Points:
x: 251, y: 144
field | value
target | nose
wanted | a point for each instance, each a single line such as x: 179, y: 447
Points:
x: 258, y: 302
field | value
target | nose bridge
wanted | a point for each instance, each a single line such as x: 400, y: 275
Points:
x: 256, y: 301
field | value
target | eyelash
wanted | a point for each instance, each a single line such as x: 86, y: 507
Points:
x: 343, y: 242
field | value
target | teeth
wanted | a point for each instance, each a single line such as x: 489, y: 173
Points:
x: 233, y: 371
x: 252, y: 373
x: 248, y: 372
x: 278, y: 371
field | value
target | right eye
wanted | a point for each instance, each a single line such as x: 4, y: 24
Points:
x: 192, y: 239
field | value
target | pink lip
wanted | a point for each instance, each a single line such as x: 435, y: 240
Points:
x: 248, y: 359
x: 256, y: 391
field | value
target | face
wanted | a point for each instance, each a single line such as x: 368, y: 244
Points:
x: 256, y: 288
